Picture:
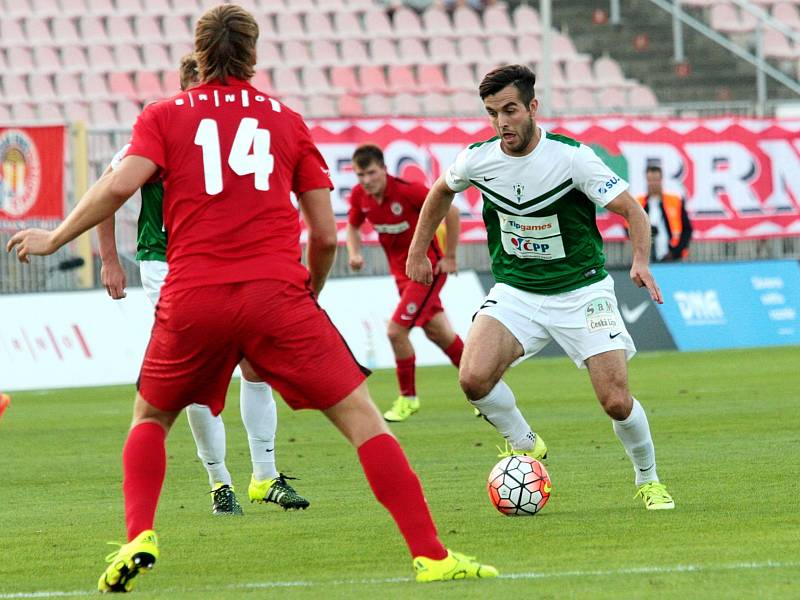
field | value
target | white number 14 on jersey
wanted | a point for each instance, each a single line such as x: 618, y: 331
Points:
x: 260, y: 162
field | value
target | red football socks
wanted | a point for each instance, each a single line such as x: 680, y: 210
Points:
x: 144, y: 462
x: 397, y: 487
x: 406, y: 379
x: 454, y: 351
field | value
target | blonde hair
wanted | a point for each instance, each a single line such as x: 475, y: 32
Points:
x: 225, y: 43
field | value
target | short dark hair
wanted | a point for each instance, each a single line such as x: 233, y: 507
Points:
x: 519, y: 75
x: 366, y: 154
x: 653, y: 169
x: 188, y: 71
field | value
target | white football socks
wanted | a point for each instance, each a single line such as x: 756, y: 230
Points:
x: 500, y: 408
x: 209, y: 437
x: 260, y: 417
x: 634, y: 433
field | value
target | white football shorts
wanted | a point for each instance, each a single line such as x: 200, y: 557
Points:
x: 153, y: 273
x: 584, y: 322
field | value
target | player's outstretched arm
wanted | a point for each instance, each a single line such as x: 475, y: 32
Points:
x: 436, y: 205
x: 452, y: 225
x: 354, y: 257
x: 639, y: 227
x: 100, y: 202
x: 112, y: 275
x: 321, y: 223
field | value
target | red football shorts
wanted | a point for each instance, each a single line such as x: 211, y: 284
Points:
x: 419, y: 303
x: 201, y: 334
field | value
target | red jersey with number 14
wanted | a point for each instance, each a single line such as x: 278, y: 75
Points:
x: 395, y: 219
x: 229, y: 157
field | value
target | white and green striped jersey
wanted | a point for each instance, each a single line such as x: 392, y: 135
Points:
x: 539, y: 210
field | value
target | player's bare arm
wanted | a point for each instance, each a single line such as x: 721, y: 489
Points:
x: 436, y: 206
x: 627, y: 206
x: 112, y: 275
x: 452, y: 223
x: 354, y: 257
x: 100, y: 202
x: 321, y: 248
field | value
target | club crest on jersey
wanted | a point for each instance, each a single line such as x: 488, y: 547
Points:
x: 411, y: 308
x: 518, y: 189
x: 397, y: 208
x: 20, y: 173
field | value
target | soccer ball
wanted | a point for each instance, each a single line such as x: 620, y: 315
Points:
x: 519, y: 486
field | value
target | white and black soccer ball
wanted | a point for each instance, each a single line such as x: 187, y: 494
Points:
x: 519, y: 486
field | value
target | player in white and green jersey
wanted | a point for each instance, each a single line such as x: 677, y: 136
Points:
x: 259, y: 413
x: 540, y: 192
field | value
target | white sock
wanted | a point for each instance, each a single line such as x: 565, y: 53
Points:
x: 500, y: 408
x: 209, y: 437
x: 634, y: 433
x: 260, y: 417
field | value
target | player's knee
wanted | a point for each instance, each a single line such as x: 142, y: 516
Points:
x: 473, y: 384
x: 396, y: 334
x: 617, y: 404
x: 248, y: 372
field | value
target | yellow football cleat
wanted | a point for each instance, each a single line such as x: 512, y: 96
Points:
x: 125, y: 563
x: 403, y: 407
x: 277, y: 490
x: 539, y: 450
x: 655, y: 496
x: 453, y: 566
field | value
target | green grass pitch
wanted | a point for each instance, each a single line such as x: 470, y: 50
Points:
x: 727, y: 432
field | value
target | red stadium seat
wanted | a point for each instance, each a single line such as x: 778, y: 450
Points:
x: 318, y: 26
x: 466, y: 22
x: 49, y: 112
x: 431, y: 78
x: 407, y: 23
x: 74, y: 59
x: 45, y: 59
x: 401, y: 80
x: 383, y: 52
x: 148, y: 86
x: 65, y: 31
x: 119, y: 30
x: 315, y: 81
x: 101, y: 59
x: 94, y: 87
x: 526, y: 20
x: 288, y: 27
x: 349, y: 106
x: 146, y: 29
x: 376, y: 24
x: 347, y: 26
x: 11, y: 33
x: 121, y: 86
x: 37, y: 31
x: 436, y: 105
x: 127, y: 58
x: 353, y: 52
x: 22, y: 113
x: 343, y: 79
x: 20, y: 60
x: 262, y: 82
x: 372, y: 80
x: 177, y: 50
x: 406, y: 105
x: 295, y: 54
x: 286, y: 81
x: 412, y: 51
x: 437, y: 23
x: 324, y: 53
x: 296, y: 103
x: 14, y: 88
x: 460, y: 77
x: 101, y: 114
x: 76, y: 111
x: 156, y: 58
x: 42, y: 88
x: 127, y: 112
x: 68, y: 87
x: 322, y: 107
x: 92, y: 30
x: 377, y: 105
x: 171, y: 81
x: 269, y: 54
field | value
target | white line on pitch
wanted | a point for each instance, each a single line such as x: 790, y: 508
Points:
x: 532, y: 575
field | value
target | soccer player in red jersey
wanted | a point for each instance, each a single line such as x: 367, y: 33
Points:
x: 392, y: 205
x: 229, y: 155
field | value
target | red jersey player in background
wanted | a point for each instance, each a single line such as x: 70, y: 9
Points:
x: 229, y: 155
x: 392, y: 205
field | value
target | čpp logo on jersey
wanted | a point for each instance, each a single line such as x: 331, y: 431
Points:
x: 531, y: 237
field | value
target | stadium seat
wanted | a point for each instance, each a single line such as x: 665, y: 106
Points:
x: 401, y: 80
x: 68, y: 87
x: 412, y: 51
x: 171, y: 81
x: 94, y: 87
x: 101, y: 114
x: 436, y: 23
x: 406, y: 24
x: 347, y: 26
x: 45, y: 59
x: 101, y: 59
x: 558, y: 102
x: 17, y: 8
x: 46, y: 8
x: 49, y: 112
x: 349, y: 106
x: 185, y: 8
x: 467, y: 104
x: 286, y: 81
x: 496, y: 20
x: 20, y: 60
x: 127, y: 112
x: 330, y: 5
x: 11, y: 33
x: 295, y: 103
x: 406, y: 105
x: 74, y: 59
x: 266, y: 27
x: 777, y: 45
x: 177, y: 29
x: 318, y: 26
x: 563, y: 49
x: 73, y: 8
x: 5, y: 115
x: 581, y: 100
x: 295, y: 53
x: 76, y: 111
x: 431, y: 78
x: 435, y: 105
x: 177, y: 51
x: 526, y: 20
x: 156, y: 8
x: 261, y: 81
x: 786, y: 13
x: 148, y: 86
x: 65, y: 32
x: 102, y: 8
x: 36, y: 31
x: 608, y: 72
x: 121, y: 86
x: 353, y: 52
x: 642, y: 97
x: 441, y: 50
x: 383, y: 51
x: 343, y: 79
x: 324, y: 53
x: 296, y: 6
x: 128, y: 8
x: 315, y: 81
x: 288, y: 27
x: 127, y: 58
x: 372, y: 80
x: 460, y: 77
x: 360, y: 5
x: 119, y: 30
x: 269, y: 55
x: 724, y: 17
x: 470, y: 50
x: 322, y: 107
x: 14, y: 88
x: 377, y: 105
x: 376, y: 24
x: 579, y: 73
x: 42, y: 88
x: 612, y: 99
x: 23, y: 113
x: 146, y: 30
x: 466, y: 22
x: 501, y: 49
x: 92, y: 30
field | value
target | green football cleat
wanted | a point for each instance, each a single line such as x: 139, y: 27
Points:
x: 403, y: 407
x: 453, y: 566
x: 655, y: 496
x: 224, y: 502
x: 276, y: 490
x: 125, y: 563
x: 539, y: 450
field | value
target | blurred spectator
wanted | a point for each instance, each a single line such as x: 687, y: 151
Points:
x: 671, y: 227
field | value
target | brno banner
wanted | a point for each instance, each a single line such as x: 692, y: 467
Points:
x: 740, y: 177
x: 31, y: 174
